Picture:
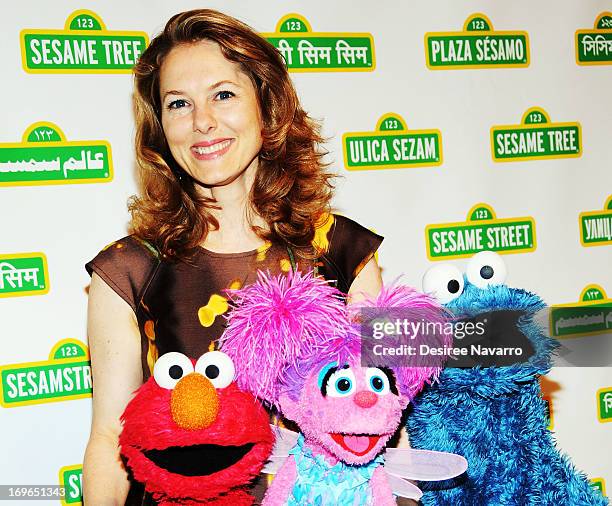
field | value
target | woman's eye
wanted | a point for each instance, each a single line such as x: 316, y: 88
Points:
x: 224, y: 95
x: 177, y: 104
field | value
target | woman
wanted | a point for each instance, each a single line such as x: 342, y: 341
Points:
x: 232, y: 182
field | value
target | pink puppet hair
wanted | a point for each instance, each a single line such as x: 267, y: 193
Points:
x: 396, y: 300
x: 282, y: 328
x: 275, y: 323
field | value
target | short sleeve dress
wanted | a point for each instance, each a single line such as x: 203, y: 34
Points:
x: 179, y: 306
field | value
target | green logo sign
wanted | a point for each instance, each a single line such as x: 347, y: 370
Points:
x: 71, y: 478
x: 596, y: 226
x: 23, y: 274
x: 83, y: 46
x: 594, y: 47
x: 306, y: 51
x: 482, y: 231
x: 599, y: 484
x: 44, y: 157
x: 604, y: 404
x: 64, y: 376
x: 391, y: 146
x: 477, y: 46
x: 592, y: 314
x: 536, y: 138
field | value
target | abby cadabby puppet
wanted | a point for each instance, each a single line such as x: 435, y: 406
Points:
x: 296, y: 347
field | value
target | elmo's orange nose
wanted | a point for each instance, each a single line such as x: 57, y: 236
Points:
x: 194, y: 402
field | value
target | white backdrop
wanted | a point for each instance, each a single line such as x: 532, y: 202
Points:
x: 70, y: 223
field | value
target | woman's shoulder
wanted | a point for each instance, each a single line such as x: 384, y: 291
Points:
x: 344, y: 247
x: 125, y: 265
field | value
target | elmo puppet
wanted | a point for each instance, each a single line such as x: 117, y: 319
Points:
x: 192, y: 436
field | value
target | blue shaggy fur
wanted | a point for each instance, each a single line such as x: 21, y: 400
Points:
x: 495, y: 417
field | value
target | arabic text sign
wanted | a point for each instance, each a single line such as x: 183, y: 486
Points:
x: 581, y: 320
x: 49, y: 163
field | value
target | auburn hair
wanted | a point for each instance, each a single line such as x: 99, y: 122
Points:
x: 291, y: 190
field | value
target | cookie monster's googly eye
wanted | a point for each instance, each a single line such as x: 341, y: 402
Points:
x: 377, y: 381
x: 341, y: 383
x: 443, y: 282
x: 170, y: 368
x: 217, y: 367
x: 486, y: 268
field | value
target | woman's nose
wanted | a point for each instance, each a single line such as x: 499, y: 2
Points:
x: 365, y: 399
x: 204, y: 119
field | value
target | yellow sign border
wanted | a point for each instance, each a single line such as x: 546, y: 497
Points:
x: 391, y: 133
x: 42, y: 363
x: 36, y: 254
x: 484, y: 33
x: 581, y: 303
x: 551, y: 415
x: 604, y: 211
x: 523, y: 126
x: 592, y: 31
x: 67, y: 31
x: 492, y: 221
x: 310, y: 33
x: 602, y: 420
x: 63, y: 470
x: 57, y: 144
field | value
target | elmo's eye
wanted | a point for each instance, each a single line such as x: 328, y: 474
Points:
x: 341, y: 383
x: 170, y: 368
x: 377, y: 381
x: 486, y: 268
x: 217, y: 367
x: 444, y: 282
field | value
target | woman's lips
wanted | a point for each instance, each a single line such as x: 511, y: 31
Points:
x: 209, y: 151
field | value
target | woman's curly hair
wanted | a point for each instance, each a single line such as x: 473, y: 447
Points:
x: 291, y: 190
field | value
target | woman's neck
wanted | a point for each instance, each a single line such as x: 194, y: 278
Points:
x: 236, y: 218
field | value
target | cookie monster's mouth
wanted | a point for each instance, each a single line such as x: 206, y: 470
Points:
x: 358, y: 444
x: 197, y: 460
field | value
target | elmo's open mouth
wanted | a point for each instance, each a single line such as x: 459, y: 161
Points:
x: 358, y: 444
x: 197, y: 460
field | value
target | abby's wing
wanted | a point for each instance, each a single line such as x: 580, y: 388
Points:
x: 423, y: 465
x: 285, y: 440
x: 403, y: 488
x: 402, y: 464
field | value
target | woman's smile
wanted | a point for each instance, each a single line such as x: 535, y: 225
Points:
x: 211, y: 150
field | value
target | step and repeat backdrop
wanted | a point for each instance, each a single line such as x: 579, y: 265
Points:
x: 455, y: 127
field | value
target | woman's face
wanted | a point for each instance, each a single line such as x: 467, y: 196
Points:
x: 210, y: 114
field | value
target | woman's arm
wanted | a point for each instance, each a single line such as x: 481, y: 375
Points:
x: 114, y: 344
x: 367, y: 283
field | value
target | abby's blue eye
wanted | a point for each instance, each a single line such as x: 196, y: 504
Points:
x: 378, y: 381
x: 341, y: 383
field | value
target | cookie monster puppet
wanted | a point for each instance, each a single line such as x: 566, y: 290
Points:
x: 489, y: 408
x: 295, y: 347
x: 192, y: 436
